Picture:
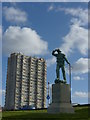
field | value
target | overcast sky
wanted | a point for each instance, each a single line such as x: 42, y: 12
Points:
x: 35, y: 29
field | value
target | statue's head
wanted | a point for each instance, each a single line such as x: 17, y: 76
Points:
x: 58, y: 50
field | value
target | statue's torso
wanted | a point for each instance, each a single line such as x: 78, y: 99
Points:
x: 60, y: 59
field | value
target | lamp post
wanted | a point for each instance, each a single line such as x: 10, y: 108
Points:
x: 70, y: 80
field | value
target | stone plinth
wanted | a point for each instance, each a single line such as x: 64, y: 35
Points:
x: 61, y: 99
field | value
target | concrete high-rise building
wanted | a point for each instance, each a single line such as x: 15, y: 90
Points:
x: 26, y: 82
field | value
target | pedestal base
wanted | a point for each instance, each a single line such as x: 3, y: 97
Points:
x: 61, y: 99
x: 60, y: 108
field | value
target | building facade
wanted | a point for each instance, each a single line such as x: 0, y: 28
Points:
x: 26, y: 82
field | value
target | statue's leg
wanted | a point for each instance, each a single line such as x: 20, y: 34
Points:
x: 57, y: 71
x: 64, y: 75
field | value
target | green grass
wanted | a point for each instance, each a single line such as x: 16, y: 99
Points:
x: 81, y: 113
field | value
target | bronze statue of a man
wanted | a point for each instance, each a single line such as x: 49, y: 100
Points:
x: 60, y: 63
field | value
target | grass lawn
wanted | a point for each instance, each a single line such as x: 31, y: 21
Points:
x: 81, y: 113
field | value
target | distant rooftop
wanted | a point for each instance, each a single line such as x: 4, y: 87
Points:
x: 20, y: 53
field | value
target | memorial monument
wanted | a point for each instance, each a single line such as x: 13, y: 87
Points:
x: 61, y: 91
